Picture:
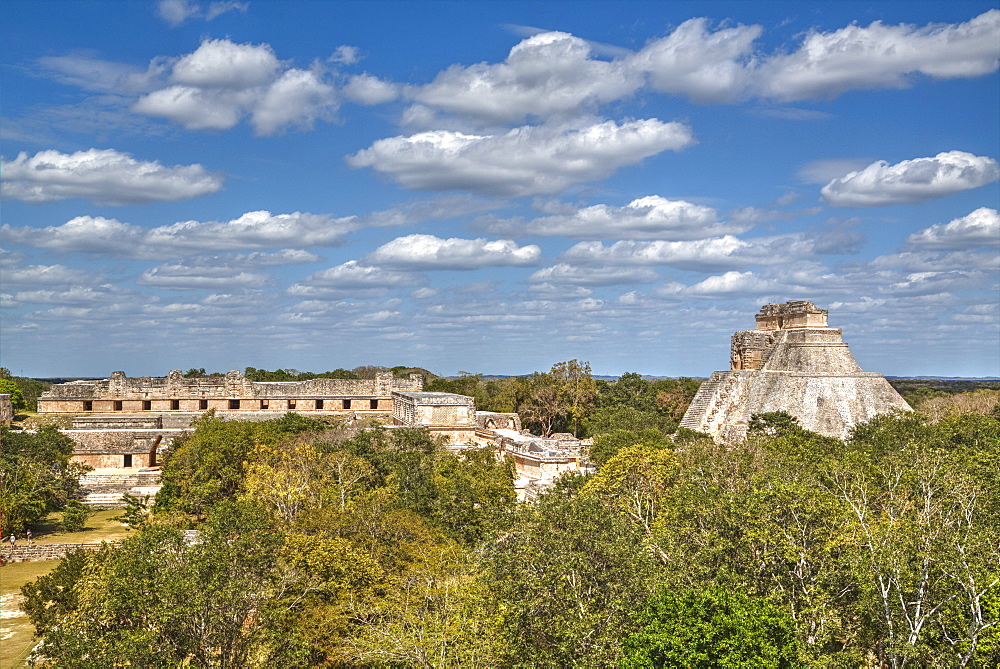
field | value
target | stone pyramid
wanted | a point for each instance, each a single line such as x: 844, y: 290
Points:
x: 791, y: 362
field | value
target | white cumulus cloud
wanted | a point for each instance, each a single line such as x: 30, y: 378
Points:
x: 565, y: 273
x: 221, y: 83
x: 650, y: 217
x: 176, y: 12
x: 911, y: 181
x: 704, y: 66
x: 197, y: 276
x: 546, y: 75
x: 353, y: 274
x: 719, y: 252
x: 528, y: 160
x: 46, y: 275
x: 353, y: 279
x: 370, y: 90
x: 980, y: 228
x: 430, y: 252
x: 882, y: 56
x: 252, y: 230
x: 105, y: 176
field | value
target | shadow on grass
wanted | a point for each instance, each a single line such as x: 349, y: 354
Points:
x: 101, y: 526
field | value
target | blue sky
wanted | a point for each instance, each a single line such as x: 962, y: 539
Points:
x: 494, y: 187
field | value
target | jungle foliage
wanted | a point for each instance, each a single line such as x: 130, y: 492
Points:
x: 36, y: 475
x: 23, y: 390
x: 326, y: 546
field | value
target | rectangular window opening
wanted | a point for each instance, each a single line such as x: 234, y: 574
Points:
x: 118, y: 405
x: 175, y: 405
x: 127, y: 460
x: 88, y: 405
x: 319, y: 404
x: 373, y: 404
x: 147, y: 405
x: 347, y: 404
x: 203, y: 404
x: 291, y: 404
x: 234, y: 404
x: 263, y: 404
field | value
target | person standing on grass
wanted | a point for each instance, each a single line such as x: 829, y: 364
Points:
x: 13, y: 538
x: 29, y: 535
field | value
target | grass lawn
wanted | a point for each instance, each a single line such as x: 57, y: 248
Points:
x: 100, y: 527
x: 16, y: 633
x: 17, y: 636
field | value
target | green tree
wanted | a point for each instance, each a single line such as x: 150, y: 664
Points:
x: 30, y: 388
x: 431, y: 616
x: 543, y: 408
x: 474, y: 494
x: 711, y: 628
x: 52, y: 596
x: 635, y: 480
x: 75, y: 515
x: 607, y: 444
x: 9, y: 387
x: 36, y: 475
x: 157, y: 600
x: 923, y: 498
x: 209, y: 464
x: 565, y: 578
x: 577, y: 389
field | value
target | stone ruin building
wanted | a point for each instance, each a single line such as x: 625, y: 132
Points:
x: 791, y: 362
x: 232, y: 392
x: 127, y: 423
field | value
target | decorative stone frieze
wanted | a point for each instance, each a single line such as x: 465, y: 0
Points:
x: 232, y: 392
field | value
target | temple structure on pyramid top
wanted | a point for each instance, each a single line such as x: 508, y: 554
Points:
x: 791, y: 362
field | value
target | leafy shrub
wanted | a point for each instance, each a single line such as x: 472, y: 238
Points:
x: 75, y: 515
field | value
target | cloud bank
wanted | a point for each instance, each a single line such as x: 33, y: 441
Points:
x: 104, y: 176
x: 528, y: 160
x: 911, y: 181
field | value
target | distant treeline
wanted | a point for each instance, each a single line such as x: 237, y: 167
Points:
x: 917, y: 391
x: 30, y: 389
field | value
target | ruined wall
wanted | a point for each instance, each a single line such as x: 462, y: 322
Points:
x: 120, y: 448
x: 6, y: 410
x: 493, y: 420
x: 792, y: 314
x: 233, y: 392
x: 433, y: 409
x: 22, y: 552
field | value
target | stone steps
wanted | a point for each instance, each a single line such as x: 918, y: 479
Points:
x: 116, y: 499
x: 137, y: 479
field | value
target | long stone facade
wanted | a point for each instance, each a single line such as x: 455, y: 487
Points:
x: 232, y: 392
x: 793, y: 362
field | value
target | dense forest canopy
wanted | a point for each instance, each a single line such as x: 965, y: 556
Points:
x: 321, y: 544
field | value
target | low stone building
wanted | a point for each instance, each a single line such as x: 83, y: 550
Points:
x: 123, y: 441
x: 232, y: 392
x: 539, y: 461
x: 791, y: 362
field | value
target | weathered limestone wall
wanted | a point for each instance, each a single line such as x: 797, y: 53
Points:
x: 233, y: 392
x: 6, y: 410
x: 119, y: 448
x: 433, y: 409
x: 22, y: 552
x: 493, y: 420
